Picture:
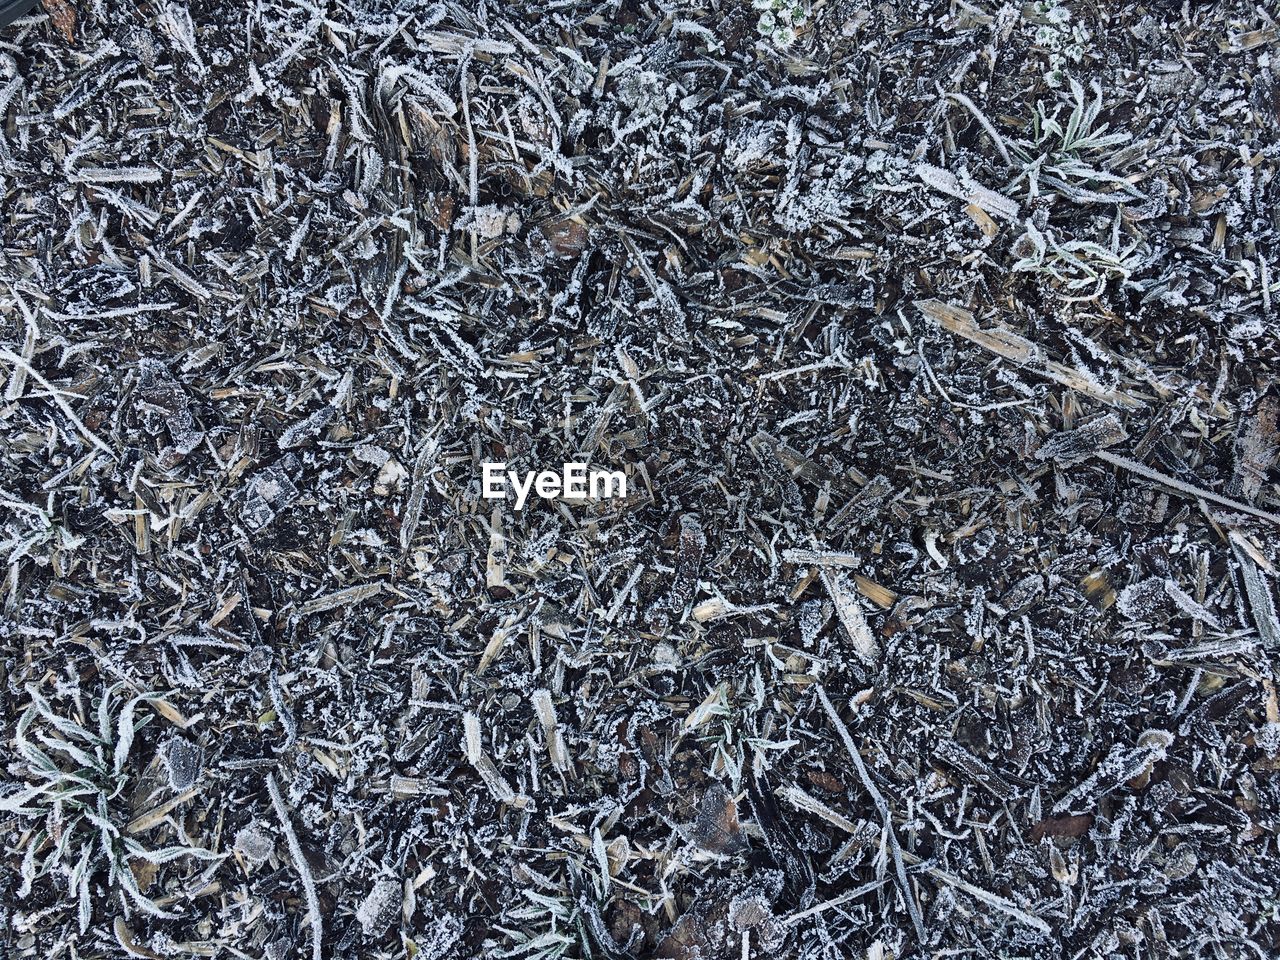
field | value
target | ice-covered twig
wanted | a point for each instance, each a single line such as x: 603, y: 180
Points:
x: 1185, y: 488
x: 304, y: 871
x: 56, y: 395
x: 882, y: 807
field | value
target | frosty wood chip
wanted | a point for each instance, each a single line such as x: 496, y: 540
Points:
x: 851, y: 616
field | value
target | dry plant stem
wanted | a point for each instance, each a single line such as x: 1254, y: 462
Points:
x: 304, y: 871
x: 848, y: 897
x: 1000, y: 903
x: 900, y: 855
x: 881, y: 806
x: 1189, y: 490
x: 56, y: 395
x: 978, y: 115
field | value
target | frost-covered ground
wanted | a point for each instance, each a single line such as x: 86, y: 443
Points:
x: 937, y: 342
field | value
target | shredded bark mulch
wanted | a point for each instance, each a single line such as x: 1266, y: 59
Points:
x: 937, y: 343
